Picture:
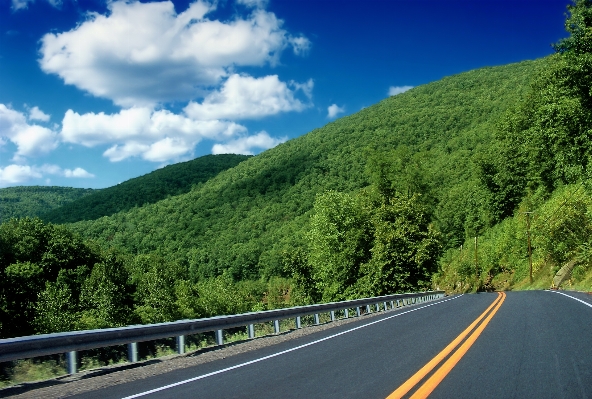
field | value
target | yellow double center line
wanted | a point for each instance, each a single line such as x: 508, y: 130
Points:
x: 431, y: 383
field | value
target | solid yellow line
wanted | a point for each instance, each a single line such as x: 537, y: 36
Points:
x: 425, y: 370
x: 443, y: 371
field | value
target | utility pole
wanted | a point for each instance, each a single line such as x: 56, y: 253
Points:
x: 529, y: 247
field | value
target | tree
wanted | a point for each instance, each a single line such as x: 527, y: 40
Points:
x: 339, y: 242
x: 405, y: 249
x: 546, y: 140
x: 579, y: 25
x: 106, y: 297
x: 33, y: 254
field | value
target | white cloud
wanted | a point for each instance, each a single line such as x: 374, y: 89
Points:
x: 243, y: 97
x: 15, y: 174
x: 37, y: 115
x: 165, y: 149
x: 306, y: 88
x: 20, y: 4
x: 77, y: 172
x: 140, y: 54
x: 24, y: 4
x: 254, y: 3
x: 31, y: 140
x: 334, y: 110
x: 394, y: 90
x: 153, y: 135
x: 130, y: 149
x: 246, y: 145
x: 300, y: 45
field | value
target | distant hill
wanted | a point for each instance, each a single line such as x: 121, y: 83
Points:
x: 247, y: 218
x: 147, y: 189
x: 18, y: 202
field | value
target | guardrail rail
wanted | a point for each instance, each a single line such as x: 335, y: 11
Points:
x: 71, y: 342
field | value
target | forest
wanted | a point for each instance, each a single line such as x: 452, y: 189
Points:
x: 162, y: 183
x: 32, y: 201
x: 438, y: 187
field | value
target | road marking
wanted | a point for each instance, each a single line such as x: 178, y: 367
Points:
x: 282, y: 352
x: 572, y: 297
x: 441, y: 373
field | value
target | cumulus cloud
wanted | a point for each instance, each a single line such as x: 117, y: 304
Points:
x: 394, y: 90
x: 243, y: 97
x: 36, y: 114
x: 77, y: 172
x: 334, y: 110
x: 153, y: 135
x: 172, y: 57
x: 16, y: 174
x: 13, y: 174
x: 31, y: 140
x: 246, y: 145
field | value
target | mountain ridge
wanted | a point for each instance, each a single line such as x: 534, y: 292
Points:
x: 247, y: 217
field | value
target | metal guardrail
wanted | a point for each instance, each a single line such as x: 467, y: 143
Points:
x: 72, y: 342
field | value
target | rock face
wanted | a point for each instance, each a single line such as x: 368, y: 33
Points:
x: 564, y: 273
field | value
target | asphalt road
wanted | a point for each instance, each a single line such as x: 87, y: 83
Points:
x: 535, y: 344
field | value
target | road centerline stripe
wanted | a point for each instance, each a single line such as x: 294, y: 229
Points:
x: 425, y: 370
x: 284, y: 351
x: 442, y: 372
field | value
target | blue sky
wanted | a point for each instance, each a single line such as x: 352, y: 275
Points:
x: 94, y: 92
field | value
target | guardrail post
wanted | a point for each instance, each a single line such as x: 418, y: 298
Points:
x: 332, y: 315
x: 392, y: 304
x: 358, y: 313
x: 181, y: 344
x: 368, y: 309
x: 219, y: 337
x: 385, y: 306
x: 132, y: 352
x: 378, y: 307
x: 298, y: 322
x: 251, y: 331
x: 345, y: 313
x: 316, y: 319
x: 276, y: 326
x: 72, y: 362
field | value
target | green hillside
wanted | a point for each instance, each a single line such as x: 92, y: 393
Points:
x: 36, y: 200
x: 250, y: 218
x: 462, y: 184
x: 166, y: 182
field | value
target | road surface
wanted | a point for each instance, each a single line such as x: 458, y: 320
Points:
x: 532, y: 344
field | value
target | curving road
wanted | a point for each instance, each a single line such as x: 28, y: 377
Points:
x: 534, y: 344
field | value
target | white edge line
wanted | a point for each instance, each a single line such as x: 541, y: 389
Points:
x: 572, y: 297
x: 282, y: 352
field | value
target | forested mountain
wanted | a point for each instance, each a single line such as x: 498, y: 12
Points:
x: 249, y: 219
x: 162, y: 183
x: 36, y: 200
x: 362, y: 206
x: 461, y: 184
